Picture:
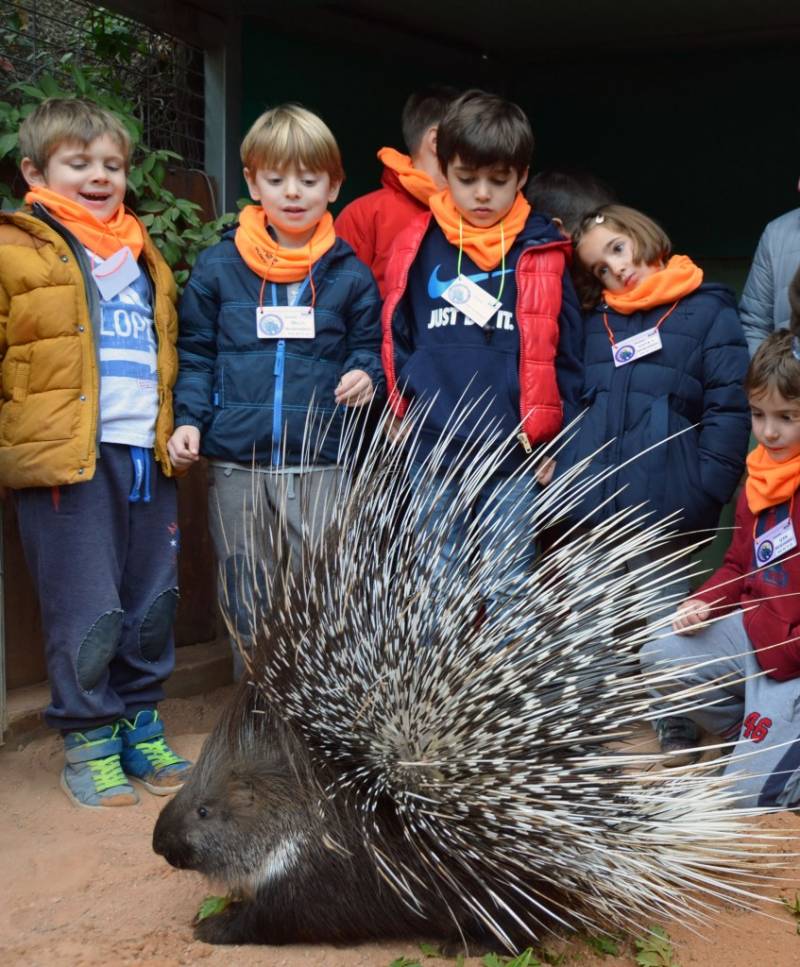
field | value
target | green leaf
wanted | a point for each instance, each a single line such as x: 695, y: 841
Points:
x: 429, y: 950
x: 211, y: 906
x: 8, y: 142
x: 405, y: 962
x: 494, y: 960
x: 49, y: 85
x: 604, y: 945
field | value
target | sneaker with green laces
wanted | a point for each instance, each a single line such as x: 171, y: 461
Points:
x: 147, y: 758
x: 93, y: 775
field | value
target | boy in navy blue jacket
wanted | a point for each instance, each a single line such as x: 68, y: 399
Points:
x: 279, y: 317
x: 516, y: 354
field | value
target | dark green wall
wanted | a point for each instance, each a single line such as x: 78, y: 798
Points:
x: 707, y: 142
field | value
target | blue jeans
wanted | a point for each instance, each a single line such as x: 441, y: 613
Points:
x: 490, y: 535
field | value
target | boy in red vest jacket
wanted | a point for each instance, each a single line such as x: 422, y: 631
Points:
x: 370, y: 224
x: 480, y: 311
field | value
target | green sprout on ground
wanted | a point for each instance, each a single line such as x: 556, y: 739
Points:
x: 211, y: 906
x: 793, y: 907
x: 655, y: 950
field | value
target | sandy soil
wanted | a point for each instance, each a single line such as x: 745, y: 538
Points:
x: 82, y: 888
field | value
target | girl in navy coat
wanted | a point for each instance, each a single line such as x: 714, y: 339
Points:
x: 664, y: 352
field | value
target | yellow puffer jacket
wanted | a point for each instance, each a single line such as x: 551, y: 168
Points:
x: 49, y: 313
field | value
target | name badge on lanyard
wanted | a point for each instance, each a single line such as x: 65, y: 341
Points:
x: 116, y: 273
x: 774, y: 542
x: 476, y: 304
x: 642, y: 344
x: 285, y: 322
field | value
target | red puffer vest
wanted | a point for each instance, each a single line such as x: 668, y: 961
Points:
x: 539, y: 276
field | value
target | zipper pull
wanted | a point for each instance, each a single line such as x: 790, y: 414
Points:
x: 526, y: 443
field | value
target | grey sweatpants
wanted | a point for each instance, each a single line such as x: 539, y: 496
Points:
x: 106, y: 573
x: 306, y: 499
x: 762, y: 713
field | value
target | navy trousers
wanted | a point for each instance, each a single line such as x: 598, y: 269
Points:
x: 105, y: 570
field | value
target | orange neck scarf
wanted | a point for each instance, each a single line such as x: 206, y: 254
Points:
x: 416, y: 182
x: 768, y: 482
x: 102, y: 238
x: 485, y: 246
x: 679, y: 277
x: 272, y: 261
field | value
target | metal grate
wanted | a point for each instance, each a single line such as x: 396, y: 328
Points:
x: 159, y: 74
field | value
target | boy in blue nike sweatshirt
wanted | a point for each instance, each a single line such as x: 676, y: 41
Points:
x: 521, y: 362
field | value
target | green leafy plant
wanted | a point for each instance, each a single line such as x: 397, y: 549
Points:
x: 525, y: 959
x: 211, y: 906
x: 174, y: 224
x: 608, y: 946
x: 655, y: 950
x: 793, y: 907
x: 405, y: 962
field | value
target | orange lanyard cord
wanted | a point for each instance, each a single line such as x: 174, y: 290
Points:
x: 611, y: 339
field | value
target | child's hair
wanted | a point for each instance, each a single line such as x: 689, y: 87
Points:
x: 484, y: 129
x: 290, y: 134
x: 568, y: 195
x: 651, y: 244
x: 60, y: 120
x: 422, y: 110
x: 775, y: 366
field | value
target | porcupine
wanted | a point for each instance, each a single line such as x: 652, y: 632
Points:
x: 394, y: 767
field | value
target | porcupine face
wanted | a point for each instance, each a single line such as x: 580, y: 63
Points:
x: 238, y: 818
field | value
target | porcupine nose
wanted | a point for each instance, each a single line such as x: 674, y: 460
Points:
x: 167, y: 842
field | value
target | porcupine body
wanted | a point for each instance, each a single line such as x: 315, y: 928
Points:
x: 396, y: 767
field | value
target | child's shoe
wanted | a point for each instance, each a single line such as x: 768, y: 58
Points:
x: 93, y: 775
x: 146, y: 756
x: 678, y: 734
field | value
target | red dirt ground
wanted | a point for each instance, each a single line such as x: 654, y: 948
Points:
x: 83, y: 889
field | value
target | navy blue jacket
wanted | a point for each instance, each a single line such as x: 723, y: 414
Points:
x: 251, y: 396
x: 693, y: 383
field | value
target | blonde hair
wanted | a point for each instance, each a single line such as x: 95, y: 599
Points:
x: 651, y: 244
x: 60, y: 120
x: 290, y: 134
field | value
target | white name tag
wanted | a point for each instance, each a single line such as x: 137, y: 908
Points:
x: 642, y: 344
x: 285, y: 322
x: 774, y: 542
x: 476, y: 304
x: 116, y: 273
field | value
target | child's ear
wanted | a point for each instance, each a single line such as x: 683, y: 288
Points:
x: 522, y: 179
x: 333, y: 194
x: 252, y: 187
x: 32, y: 175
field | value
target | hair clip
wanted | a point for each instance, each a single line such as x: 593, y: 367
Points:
x: 599, y: 218
x: 796, y: 347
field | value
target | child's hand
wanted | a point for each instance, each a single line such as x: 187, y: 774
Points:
x: 544, y: 471
x: 691, y: 613
x: 354, y: 389
x: 183, y: 446
x: 396, y: 430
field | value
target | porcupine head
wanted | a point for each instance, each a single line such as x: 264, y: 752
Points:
x: 254, y: 820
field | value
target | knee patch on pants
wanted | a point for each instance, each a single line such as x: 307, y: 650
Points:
x: 156, y: 626
x: 98, y: 648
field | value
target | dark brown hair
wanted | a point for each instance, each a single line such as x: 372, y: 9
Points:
x: 774, y: 366
x: 568, y: 195
x: 422, y: 111
x: 484, y: 129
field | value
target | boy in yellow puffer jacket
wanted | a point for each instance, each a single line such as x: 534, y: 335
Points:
x: 87, y: 341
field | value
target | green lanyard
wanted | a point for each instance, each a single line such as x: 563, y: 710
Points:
x: 502, y: 259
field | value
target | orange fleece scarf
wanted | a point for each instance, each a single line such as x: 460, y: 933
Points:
x: 679, y: 277
x: 102, y: 238
x: 485, y: 246
x: 768, y: 482
x: 272, y: 261
x: 416, y: 182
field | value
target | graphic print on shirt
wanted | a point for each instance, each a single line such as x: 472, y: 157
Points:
x: 128, y: 375
x: 450, y: 316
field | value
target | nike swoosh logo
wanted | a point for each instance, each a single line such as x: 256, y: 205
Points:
x: 437, y: 286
